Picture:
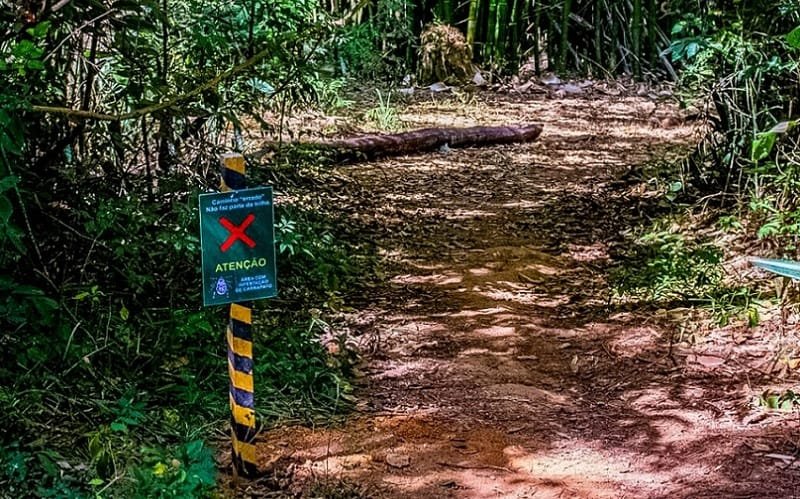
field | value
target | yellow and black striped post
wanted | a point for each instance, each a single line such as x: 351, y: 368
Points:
x: 240, y: 352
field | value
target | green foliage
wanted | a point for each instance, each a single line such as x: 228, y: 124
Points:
x: 128, y: 414
x: 188, y: 471
x: 22, y: 305
x: 380, y: 46
x: 729, y: 223
x: 384, y: 115
x: 785, y: 401
x: 291, y: 240
x: 665, y: 268
x: 726, y: 304
x: 15, y: 467
x: 317, y: 266
x: 740, y: 60
x: 329, y: 93
x: 100, y: 320
x: 663, y: 265
x: 37, y: 474
x: 355, y: 47
x: 297, y: 379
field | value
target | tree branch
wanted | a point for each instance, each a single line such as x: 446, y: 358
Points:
x: 137, y: 113
x: 59, y: 5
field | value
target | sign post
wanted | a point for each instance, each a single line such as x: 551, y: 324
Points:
x: 238, y: 248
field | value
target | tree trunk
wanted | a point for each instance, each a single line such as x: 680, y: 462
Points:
x: 426, y: 139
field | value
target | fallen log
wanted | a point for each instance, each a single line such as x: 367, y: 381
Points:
x: 427, y: 139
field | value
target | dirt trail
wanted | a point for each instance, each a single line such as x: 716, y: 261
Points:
x: 503, y: 370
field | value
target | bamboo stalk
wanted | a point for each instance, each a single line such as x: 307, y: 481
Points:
x: 537, y: 52
x: 598, y: 33
x: 491, y: 33
x: 472, y: 23
x: 514, y: 44
x: 611, y: 50
x: 652, y: 28
x: 447, y: 11
x: 481, y: 32
x: 563, y: 48
x: 501, y: 30
x: 636, y: 37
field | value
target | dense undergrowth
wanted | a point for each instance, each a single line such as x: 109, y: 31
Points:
x: 120, y: 378
x: 737, y: 194
x: 112, y: 377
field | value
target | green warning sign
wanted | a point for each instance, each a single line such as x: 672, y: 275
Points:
x: 238, y: 246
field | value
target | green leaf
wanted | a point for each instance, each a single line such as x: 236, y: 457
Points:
x: 27, y: 290
x: 7, y: 183
x: 130, y: 421
x: 262, y: 86
x: 124, y: 313
x: 8, y: 144
x: 770, y: 228
x: 40, y: 30
x: 15, y: 467
x: 678, y: 28
x: 762, y: 146
x: 26, y: 50
x: 793, y: 38
x: 752, y: 317
x: 95, y: 446
x: 6, y: 209
x: 46, y: 462
x: 44, y: 306
x: 195, y: 450
x: 677, y: 49
x: 35, y: 64
x: 96, y: 482
x: 119, y: 427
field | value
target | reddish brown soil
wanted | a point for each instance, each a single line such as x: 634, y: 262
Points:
x: 501, y: 368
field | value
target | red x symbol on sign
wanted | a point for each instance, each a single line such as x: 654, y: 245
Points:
x: 237, y: 232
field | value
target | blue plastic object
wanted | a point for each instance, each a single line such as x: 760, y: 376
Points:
x: 786, y: 268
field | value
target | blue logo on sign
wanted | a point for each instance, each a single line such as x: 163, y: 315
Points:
x: 222, y: 287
